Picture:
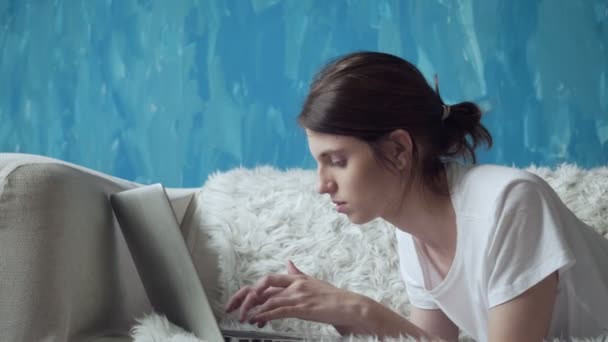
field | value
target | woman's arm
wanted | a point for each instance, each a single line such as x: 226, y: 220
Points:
x: 372, y: 318
x: 296, y: 295
x: 427, y: 324
x: 435, y: 323
x: 527, y: 317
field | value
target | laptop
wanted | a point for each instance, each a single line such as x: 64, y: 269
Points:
x: 163, y: 261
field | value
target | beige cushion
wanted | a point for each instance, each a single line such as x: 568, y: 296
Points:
x: 65, y: 271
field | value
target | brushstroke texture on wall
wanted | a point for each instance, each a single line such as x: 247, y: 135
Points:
x: 171, y: 91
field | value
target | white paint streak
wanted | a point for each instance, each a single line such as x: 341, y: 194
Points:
x: 472, y: 50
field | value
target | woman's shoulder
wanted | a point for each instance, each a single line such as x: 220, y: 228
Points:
x: 495, y: 176
x: 483, y: 186
x: 498, y: 171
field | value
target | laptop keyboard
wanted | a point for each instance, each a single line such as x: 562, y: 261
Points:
x: 241, y: 339
x: 255, y: 336
x: 256, y: 339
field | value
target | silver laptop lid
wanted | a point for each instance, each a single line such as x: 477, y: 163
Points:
x: 164, y: 264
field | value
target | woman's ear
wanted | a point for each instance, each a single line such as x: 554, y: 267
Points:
x: 400, y: 148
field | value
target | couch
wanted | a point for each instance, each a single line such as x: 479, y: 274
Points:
x: 65, y: 271
x: 66, y: 274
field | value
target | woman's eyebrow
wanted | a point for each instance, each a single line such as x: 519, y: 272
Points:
x: 330, y: 152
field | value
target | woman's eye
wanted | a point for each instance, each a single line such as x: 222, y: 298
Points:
x: 338, y: 162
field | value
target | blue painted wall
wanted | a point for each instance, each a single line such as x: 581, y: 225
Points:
x: 171, y: 91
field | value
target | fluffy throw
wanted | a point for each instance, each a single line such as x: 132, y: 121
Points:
x: 249, y: 222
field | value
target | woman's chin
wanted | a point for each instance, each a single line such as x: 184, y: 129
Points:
x: 358, y: 219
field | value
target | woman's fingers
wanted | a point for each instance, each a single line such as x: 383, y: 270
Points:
x: 256, y: 294
x: 278, y: 313
x: 254, y: 299
x: 262, y: 285
x: 250, y: 301
x: 237, y: 298
x: 275, y: 280
x: 292, y: 269
x: 270, y: 292
x: 267, y: 287
x: 274, y: 303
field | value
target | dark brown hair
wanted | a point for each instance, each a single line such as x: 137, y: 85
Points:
x: 368, y: 95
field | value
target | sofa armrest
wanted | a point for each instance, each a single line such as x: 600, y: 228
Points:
x: 65, y: 270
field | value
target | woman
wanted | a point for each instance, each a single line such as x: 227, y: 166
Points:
x: 487, y: 249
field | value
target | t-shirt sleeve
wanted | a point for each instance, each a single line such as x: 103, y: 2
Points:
x: 529, y: 242
x: 412, y: 274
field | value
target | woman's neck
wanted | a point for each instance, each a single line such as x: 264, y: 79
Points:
x: 429, y: 217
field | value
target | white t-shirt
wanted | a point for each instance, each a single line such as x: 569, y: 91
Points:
x: 512, y: 232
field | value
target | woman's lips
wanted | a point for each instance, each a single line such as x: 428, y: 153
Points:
x: 340, y: 206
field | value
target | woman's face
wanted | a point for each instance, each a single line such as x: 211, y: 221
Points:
x: 358, y: 184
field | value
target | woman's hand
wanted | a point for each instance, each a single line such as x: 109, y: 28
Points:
x: 296, y: 295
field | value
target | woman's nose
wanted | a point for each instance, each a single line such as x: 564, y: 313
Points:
x: 326, y: 186
x: 326, y: 183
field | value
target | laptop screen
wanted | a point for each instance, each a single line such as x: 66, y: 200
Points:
x: 164, y: 264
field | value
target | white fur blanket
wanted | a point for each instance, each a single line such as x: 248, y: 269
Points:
x: 250, y: 222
